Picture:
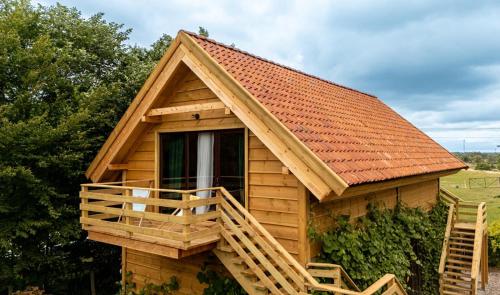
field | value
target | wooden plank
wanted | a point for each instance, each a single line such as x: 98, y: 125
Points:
x: 275, y: 217
x: 273, y: 179
x: 117, y: 167
x: 186, y: 108
x: 137, y: 214
x: 134, y: 244
x: 204, y: 93
x: 273, y: 205
x: 200, y: 125
x: 265, y: 166
x: 142, y: 156
x: 281, y: 192
x: 131, y: 199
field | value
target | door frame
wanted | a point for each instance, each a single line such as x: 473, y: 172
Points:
x: 157, y: 171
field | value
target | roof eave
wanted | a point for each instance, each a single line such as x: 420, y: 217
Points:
x: 91, y: 172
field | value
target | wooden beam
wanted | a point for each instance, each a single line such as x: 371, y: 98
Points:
x: 186, y: 109
x: 117, y: 167
x: 154, y: 120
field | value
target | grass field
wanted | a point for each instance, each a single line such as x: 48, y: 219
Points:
x: 459, y: 185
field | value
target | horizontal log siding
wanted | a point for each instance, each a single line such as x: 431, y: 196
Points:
x: 150, y: 268
x: 273, y: 196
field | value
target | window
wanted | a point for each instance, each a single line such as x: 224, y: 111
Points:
x: 190, y: 160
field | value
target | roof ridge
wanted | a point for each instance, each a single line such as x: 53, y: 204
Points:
x: 274, y: 63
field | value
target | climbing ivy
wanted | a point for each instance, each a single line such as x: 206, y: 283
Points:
x: 404, y: 241
x: 165, y: 288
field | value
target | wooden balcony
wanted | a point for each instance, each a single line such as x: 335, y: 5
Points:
x: 133, y: 215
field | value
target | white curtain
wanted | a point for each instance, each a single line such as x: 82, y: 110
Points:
x: 205, y: 167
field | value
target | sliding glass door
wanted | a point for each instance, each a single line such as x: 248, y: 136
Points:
x: 191, y: 160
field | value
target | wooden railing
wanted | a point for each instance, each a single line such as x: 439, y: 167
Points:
x: 461, y: 211
x: 449, y: 197
x: 109, y: 206
x: 480, y: 246
x: 281, y: 267
x: 446, y: 239
x: 334, y: 272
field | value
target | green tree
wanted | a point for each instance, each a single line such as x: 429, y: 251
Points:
x: 65, y: 81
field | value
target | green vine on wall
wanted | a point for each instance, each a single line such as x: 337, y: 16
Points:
x: 404, y: 241
x: 165, y: 288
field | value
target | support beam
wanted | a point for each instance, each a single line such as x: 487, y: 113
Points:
x: 117, y: 167
x: 185, y: 109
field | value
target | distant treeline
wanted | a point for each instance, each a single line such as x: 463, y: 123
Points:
x: 481, y: 161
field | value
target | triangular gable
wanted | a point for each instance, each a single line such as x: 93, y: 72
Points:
x: 185, y: 52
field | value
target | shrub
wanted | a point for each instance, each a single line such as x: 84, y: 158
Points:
x: 218, y: 283
x: 405, y: 241
x: 165, y: 288
x: 494, y: 244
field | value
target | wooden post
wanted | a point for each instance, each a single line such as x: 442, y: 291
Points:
x: 124, y: 270
x: 186, y: 212
x: 128, y: 206
x: 85, y: 201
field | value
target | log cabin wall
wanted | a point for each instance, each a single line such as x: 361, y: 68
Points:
x: 276, y: 198
x: 150, y: 268
x: 321, y: 215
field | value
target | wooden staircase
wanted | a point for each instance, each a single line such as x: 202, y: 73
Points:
x: 465, y: 247
x: 262, y: 266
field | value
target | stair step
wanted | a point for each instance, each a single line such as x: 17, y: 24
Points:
x: 462, y: 244
x: 457, y: 267
x: 465, y: 226
x: 226, y: 249
x: 455, y: 261
x: 238, y: 260
x: 461, y: 238
x: 248, y: 273
x: 456, y: 287
x: 260, y: 286
x: 450, y: 273
x: 460, y: 256
x: 461, y: 250
x: 447, y: 292
x: 459, y: 281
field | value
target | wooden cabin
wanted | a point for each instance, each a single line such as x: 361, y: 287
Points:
x: 226, y: 152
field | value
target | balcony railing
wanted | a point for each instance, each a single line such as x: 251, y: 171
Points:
x: 134, y: 210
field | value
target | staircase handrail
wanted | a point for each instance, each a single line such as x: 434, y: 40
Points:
x: 343, y: 273
x: 388, y: 280
x: 449, y: 197
x: 478, y: 240
x: 447, y: 233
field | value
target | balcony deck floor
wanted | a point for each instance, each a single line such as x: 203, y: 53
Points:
x: 151, y: 244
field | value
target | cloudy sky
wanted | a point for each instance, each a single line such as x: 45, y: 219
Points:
x: 436, y: 62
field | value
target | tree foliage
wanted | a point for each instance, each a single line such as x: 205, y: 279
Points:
x: 65, y: 81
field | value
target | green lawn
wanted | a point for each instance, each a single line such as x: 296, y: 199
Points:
x: 459, y: 185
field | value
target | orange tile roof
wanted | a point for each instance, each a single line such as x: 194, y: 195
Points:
x: 359, y: 137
